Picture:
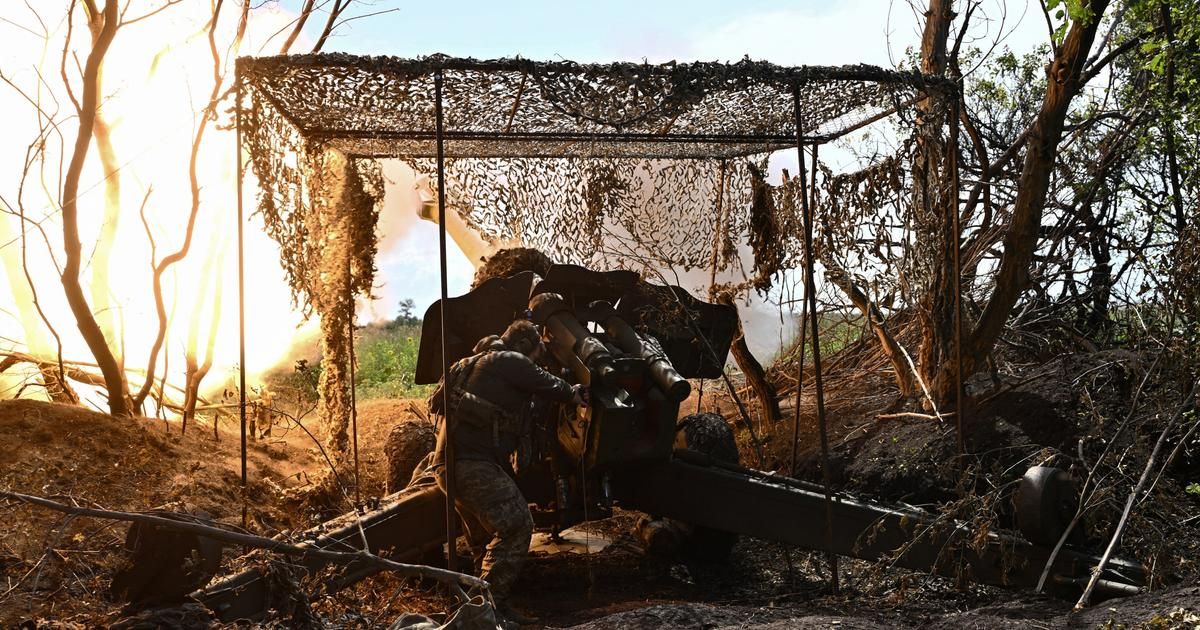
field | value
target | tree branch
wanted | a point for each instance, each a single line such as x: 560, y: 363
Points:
x: 1086, y: 597
x: 1021, y: 239
x: 291, y: 39
x: 151, y: 13
x: 257, y: 542
x: 185, y: 247
x: 338, y: 7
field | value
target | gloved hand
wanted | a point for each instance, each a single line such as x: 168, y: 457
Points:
x: 581, y: 394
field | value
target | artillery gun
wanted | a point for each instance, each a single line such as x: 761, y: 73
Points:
x: 634, y: 345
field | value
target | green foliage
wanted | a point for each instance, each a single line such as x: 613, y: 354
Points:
x: 1164, y: 59
x: 406, y: 316
x: 1193, y: 488
x: 1078, y: 11
x: 838, y: 331
x: 387, y: 360
x: 1007, y: 93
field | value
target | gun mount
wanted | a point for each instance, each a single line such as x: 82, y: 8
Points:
x: 634, y: 345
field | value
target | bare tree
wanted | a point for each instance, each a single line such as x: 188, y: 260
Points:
x: 89, y: 105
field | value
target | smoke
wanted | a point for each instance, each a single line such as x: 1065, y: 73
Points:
x: 408, y: 258
x: 155, y: 79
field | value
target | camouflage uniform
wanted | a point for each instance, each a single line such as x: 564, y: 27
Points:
x: 490, y: 396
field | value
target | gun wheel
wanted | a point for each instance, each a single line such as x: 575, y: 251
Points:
x: 708, y: 433
x: 407, y: 445
x: 1045, y: 503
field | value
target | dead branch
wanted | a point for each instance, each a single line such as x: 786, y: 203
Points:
x: 419, y: 412
x: 1188, y: 402
x: 258, y: 542
x: 1084, y: 494
x: 61, y: 392
x: 913, y: 414
x: 74, y: 373
x: 929, y: 400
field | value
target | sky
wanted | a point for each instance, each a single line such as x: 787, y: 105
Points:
x: 814, y: 32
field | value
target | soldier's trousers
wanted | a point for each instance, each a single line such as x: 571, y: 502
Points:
x: 486, y: 496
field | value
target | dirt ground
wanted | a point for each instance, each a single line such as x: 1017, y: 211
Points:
x: 57, y: 569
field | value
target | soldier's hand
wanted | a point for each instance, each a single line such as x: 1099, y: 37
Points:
x: 581, y: 395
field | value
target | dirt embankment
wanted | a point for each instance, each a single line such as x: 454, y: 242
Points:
x: 58, y: 567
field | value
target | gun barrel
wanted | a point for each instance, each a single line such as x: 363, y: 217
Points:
x: 569, y: 336
x: 659, y: 367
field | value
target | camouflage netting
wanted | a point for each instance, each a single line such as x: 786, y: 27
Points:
x: 319, y: 204
x: 595, y: 164
x: 509, y: 261
x: 603, y: 212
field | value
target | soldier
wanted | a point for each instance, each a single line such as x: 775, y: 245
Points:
x: 489, y: 395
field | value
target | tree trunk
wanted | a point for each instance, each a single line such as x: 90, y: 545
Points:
x: 99, y: 263
x: 756, y: 376
x: 1021, y: 238
x: 101, y: 256
x: 114, y: 377
x: 195, y: 371
x: 932, y: 204
x: 891, y: 348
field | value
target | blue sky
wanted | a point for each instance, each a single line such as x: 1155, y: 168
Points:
x: 573, y: 29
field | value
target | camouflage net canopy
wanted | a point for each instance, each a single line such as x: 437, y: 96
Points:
x: 603, y: 165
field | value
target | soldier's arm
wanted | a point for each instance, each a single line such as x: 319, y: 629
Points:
x: 524, y: 374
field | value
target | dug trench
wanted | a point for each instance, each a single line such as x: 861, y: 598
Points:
x: 58, y: 569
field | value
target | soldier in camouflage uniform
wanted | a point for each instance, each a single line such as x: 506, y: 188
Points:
x: 489, y: 395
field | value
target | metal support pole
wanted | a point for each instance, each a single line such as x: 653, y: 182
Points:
x: 811, y: 297
x: 448, y: 453
x: 956, y: 246
x: 353, y: 394
x: 241, y: 295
